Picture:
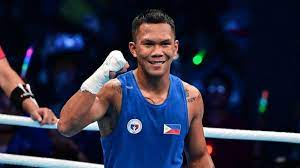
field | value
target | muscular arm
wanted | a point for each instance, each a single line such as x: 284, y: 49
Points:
x: 84, y: 108
x: 195, y: 145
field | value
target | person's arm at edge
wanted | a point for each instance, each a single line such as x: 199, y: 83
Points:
x: 196, y: 150
x: 9, y: 80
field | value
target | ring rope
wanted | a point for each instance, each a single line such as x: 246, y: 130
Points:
x: 28, y: 122
x: 253, y: 135
x: 219, y: 133
x: 33, y: 161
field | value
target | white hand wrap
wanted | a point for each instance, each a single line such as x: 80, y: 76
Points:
x: 115, y: 61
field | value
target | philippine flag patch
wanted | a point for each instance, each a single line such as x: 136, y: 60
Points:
x: 173, y: 129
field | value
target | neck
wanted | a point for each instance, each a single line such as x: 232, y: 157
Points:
x: 146, y: 82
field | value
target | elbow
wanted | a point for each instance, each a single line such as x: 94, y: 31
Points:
x: 201, y: 160
x: 64, y: 129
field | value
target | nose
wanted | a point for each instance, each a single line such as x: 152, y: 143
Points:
x: 157, y: 51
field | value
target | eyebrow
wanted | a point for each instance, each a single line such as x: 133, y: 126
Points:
x: 166, y: 41
x: 152, y: 41
x: 147, y: 41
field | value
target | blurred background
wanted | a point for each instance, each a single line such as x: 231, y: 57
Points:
x: 242, y: 55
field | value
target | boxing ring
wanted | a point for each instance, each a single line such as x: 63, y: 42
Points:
x: 218, y: 133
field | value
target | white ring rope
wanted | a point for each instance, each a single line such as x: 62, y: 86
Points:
x: 28, y: 122
x: 11, y: 159
x: 237, y: 134
x: 219, y: 133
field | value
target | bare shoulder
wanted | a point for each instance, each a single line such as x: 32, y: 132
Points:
x: 111, y: 88
x: 194, y: 101
x: 192, y: 93
x: 111, y: 92
x: 113, y: 83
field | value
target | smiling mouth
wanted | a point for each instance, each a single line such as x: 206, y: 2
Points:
x: 156, y: 62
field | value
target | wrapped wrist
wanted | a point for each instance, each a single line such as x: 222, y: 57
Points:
x: 21, y: 93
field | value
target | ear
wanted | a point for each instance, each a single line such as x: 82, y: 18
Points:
x: 176, y: 47
x: 132, y: 48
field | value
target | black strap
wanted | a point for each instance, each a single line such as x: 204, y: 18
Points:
x: 20, y: 93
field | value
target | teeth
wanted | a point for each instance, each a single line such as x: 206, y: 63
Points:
x: 157, y: 62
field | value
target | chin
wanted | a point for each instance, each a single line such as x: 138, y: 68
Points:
x: 156, y: 73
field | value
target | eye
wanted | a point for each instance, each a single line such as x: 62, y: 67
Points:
x: 166, y: 44
x: 148, y: 44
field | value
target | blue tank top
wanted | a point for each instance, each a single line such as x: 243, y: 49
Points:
x: 147, y: 135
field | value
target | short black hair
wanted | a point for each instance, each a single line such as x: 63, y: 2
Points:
x: 151, y: 16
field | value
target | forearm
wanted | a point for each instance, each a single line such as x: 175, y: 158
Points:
x: 204, y: 162
x: 9, y: 79
x: 74, y: 112
x: 29, y: 105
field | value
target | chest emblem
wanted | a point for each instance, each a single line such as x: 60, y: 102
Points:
x: 134, y: 126
x: 173, y: 129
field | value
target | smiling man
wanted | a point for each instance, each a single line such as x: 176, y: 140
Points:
x: 147, y: 117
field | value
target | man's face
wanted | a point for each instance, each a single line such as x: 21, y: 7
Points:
x: 155, y: 47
